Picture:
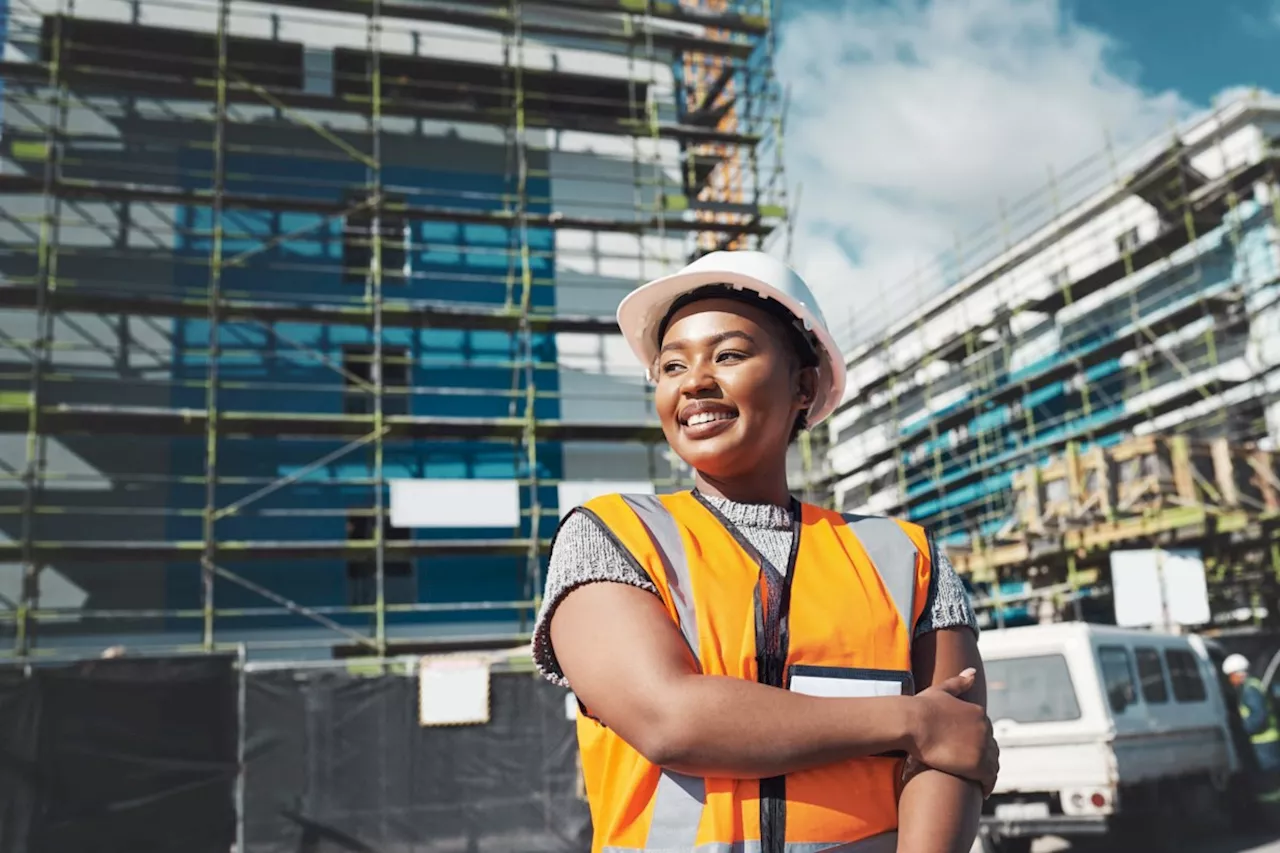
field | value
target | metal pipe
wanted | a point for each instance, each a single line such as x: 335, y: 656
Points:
x: 207, y: 568
x: 47, y: 256
x: 241, y: 735
x: 381, y: 521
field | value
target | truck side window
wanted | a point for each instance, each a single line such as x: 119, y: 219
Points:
x: 1151, y: 674
x: 1185, y: 675
x: 1117, y: 677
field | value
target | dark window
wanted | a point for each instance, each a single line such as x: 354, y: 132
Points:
x: 135, y: 56
x: 357, y: 243
x: 399, y: 585
x: 1151, y: 673
x: 358, y: 364
x: 1184, y: 672
x: 1117, y: 677
x: 1127, y: 242
x: 431, y: 86
x: 1031, y: 690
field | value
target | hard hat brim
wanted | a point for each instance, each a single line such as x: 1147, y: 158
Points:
x: 642, y: 310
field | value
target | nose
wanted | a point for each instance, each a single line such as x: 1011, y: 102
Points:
x: 699, y: 379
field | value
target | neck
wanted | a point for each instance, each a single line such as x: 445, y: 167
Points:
x: 761, y: 486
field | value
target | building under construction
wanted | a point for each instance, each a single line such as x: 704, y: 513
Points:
x: 1100, y: 376
x: 307, y: 337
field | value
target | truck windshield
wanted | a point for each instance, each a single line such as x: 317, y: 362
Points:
x: 1031, y: 690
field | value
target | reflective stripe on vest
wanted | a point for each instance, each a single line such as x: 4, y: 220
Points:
x: 1271, y: 733
x: 666, y: 536
x: 894, y: 556
x: 884, y: 843
x: 858, y: 586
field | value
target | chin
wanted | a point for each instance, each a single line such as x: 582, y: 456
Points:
x: 719, y: 457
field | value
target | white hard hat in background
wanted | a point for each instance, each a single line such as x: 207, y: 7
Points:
x: 644, y: 308
x: 1235, y: 664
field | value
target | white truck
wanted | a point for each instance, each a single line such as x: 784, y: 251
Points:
x: 1105, y: 730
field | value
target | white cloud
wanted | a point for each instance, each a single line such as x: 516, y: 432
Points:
x: 909, y: 121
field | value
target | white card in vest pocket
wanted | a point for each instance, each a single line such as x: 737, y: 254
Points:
x: 839, y: 682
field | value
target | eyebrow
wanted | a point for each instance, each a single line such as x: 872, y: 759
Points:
x: 714, y: 340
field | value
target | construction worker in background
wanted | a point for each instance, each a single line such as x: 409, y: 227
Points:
x: 753, y: 673
x: 1256, y: 712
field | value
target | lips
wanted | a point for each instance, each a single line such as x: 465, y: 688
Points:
x: 706, y: 418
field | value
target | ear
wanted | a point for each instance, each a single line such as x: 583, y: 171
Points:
x: 807, y: 387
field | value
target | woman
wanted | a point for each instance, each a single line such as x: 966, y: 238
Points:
x: 753, y: 673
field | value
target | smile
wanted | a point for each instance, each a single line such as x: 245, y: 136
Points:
x: 709, y: 417
x: 706, y: 420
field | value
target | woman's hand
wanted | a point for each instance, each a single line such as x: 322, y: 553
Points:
x: 953, y: 735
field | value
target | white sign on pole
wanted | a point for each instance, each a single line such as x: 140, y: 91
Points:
x: 1159, y: 588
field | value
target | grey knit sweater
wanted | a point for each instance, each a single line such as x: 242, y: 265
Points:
x: 584, y: 554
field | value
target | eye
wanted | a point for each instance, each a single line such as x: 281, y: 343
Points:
x: 730, y: 355
x: 670, y: 367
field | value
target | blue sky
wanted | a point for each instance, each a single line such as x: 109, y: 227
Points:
x: 913, y: 123
x: 1186, y: 45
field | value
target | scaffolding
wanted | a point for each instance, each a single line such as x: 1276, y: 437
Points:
x: 261, y: 258
x: 1136, y: 295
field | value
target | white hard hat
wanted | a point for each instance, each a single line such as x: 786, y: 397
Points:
x: 1235, y: 664
x: 644, y: 308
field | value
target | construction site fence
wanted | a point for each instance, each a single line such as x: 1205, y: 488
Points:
x: 209, y: 754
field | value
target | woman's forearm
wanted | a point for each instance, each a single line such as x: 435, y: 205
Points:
x: 938, y: 813
x: 757, y: 731
x: 705, y: 725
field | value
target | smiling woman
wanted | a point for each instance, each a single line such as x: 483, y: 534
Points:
x: 762, y: 360
x: 752, y: 672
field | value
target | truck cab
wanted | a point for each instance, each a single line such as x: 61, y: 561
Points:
x: 1104, y: 730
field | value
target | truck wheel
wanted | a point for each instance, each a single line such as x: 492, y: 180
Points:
x: 1205, y: 809
x: 996, y: 844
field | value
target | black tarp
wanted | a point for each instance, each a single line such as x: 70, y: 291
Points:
x: 140, y: 756
x: 134, y: 756
x: 338, y: 762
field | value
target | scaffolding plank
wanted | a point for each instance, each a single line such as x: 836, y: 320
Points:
x: 230, y: 551
x: 662, y: 9
x: 106, y: 83
x: 1071, y: 365
x: 1122, y: 423
x: 66, y: 418
x: 497, y: 20
x: 132, y: 192
x: 395, y: 313
x: 1171, y: 238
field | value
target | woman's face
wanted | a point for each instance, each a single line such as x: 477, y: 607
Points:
x: 729, y: 388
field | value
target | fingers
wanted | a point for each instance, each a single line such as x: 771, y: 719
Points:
x: 959, y: 684
x: 992, y: 767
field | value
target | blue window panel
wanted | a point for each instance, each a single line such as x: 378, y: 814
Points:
x: 469, y: 373
x: 1044, y: 394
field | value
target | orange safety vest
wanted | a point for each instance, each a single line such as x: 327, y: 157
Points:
x: 848, y: 603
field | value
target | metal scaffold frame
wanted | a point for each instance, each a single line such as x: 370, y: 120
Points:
x: 731, y: 198
x: 1151, y: 327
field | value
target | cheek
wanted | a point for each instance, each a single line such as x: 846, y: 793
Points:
x: 763, y: 393
x: 665, y: 397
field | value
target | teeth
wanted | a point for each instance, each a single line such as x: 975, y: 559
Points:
x: 708, y: 417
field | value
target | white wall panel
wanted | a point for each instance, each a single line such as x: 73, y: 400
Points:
x: 455, y: 503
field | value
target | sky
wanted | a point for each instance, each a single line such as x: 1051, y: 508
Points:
x: 913, y: 123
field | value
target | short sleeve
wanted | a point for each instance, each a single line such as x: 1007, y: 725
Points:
x: 583, y: 553
x: 948, y: 605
